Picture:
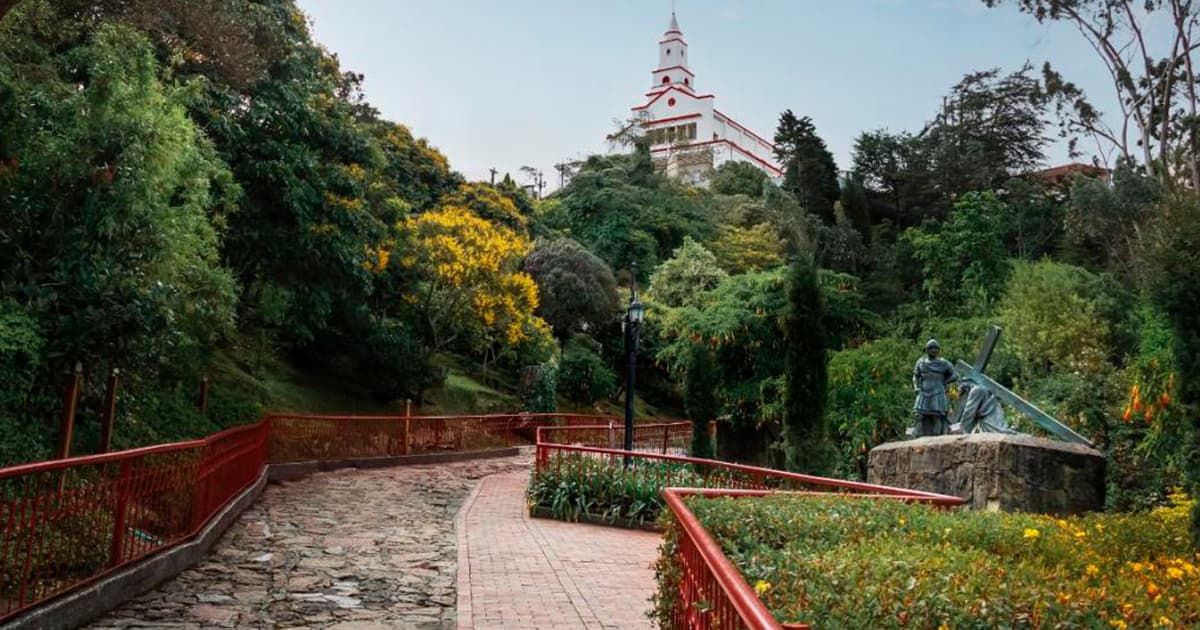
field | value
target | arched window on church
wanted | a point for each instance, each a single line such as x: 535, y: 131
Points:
x: 668, y: 51
x: 685, y: 81
x: 666, y: 80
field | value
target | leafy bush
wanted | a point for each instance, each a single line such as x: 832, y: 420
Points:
x: 573, y: 485
x: 540, y: 394
x: 583, y: 376
x: 845, y: 563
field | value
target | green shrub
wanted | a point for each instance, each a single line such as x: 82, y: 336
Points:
x: 844, y: 563
x: 583, y: 375
x: 540, y: 395
x: 574, y: 485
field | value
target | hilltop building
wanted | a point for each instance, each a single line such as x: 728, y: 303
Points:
x: 689, y: 136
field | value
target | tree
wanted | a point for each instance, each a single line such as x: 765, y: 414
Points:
x: 1147, y: 48
x: 963, y: 261
x: 626, y: 213
x: 469, y: 279
x: 1103, y: 222
x: 583, y: 376
x: 115, y: 205
x: 896, y: 168
x: 738, y: 178
x: 690, y: 271
x: 739, y: 249
x: 990, y: 128
x: 1034, y: 222
x: 809, y: 170
x: 805, y: 432
x: 577, y: 291
x: 487, y: 202
x: 1176, y: 274
x: 700, y: 397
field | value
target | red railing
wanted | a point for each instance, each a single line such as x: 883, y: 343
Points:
x: 712, y: 592
x: 67, y: 522
x: 665, y: 438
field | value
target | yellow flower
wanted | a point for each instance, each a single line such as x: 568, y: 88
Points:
x: 762, y: 586
x: 1032, y: 533
x: 902, y: 521
x: 1118, y: 624
x: 1099, y: 527
x: 1165, y: 622
x: 943, y: 626
x: 1137, y: 567
x: 1174, y: 573
x: 1092, y: 569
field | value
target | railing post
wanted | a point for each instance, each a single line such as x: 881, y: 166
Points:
x: 202, y: 400
x: 407, y: 424
x: 666, y: 433
x: 70, y: 404
x: 110, y: 412
x: 124, y: 489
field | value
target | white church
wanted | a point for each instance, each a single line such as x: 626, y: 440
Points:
x: 690, y: 137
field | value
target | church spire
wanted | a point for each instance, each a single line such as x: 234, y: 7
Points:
x: 673, y: 60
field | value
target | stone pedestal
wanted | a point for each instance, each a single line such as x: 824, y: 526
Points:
x: 992, y: 471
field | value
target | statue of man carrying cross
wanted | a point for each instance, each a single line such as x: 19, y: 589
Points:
x: 980, y: 410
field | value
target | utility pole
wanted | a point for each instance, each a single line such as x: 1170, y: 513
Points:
x: 493, y: 172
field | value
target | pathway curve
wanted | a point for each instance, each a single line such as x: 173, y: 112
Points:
x: 375, y: 549
x: 516, y: 572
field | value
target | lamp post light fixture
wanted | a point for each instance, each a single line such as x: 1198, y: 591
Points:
x: 634, y: 315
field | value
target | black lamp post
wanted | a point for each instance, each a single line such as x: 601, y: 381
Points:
x: 633, y: 319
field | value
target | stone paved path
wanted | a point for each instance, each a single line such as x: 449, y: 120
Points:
x: 516, y: 572
x: 344, y: 550
x: 375, y: 549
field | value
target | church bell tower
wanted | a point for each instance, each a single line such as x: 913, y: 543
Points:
x: 673, y: 61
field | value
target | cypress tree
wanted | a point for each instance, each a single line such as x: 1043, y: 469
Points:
x: 805, y: 435
x: 699, y: 397
x: 809, y: 170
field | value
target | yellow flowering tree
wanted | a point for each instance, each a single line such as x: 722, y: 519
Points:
x: 469, y: 280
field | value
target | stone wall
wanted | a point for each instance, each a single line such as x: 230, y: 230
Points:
x: 991, y: 471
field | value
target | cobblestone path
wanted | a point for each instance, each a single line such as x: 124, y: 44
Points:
x: 517, y: 572
x: 344, y: 550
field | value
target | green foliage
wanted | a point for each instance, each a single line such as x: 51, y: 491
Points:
x: 738, y: 178
x: 1176, y: 276
x: 541, y: 395
x: 741, y: 249
x: 849, y: 563
x: 572, y: 486
x: 487, y: 202
x: 963, y: 261
x: 700, y: 397
x: 809, y: 170
x: 870, y: 399
x: 625, y: 213
x: 691, y: 271
x: 740, y: 321
x: 805, y: 432
x: 1072, y: 331
x: 1034, y: 219
x: 583, y: 375
x: 1103, y: 221
x: 576, y: 290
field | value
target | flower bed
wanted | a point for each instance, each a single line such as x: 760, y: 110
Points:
x: 575, y: 487
x: 855, y: 563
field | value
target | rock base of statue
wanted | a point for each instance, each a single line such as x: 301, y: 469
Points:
x: 993, y: 471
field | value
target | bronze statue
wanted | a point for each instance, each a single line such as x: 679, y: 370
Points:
x: 932, y: 377
x: 981, y: 411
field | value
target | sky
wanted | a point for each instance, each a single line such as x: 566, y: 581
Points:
x: 505, y: 84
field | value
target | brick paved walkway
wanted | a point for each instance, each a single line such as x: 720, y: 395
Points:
x: 377, y: 549
x: 519, y: 572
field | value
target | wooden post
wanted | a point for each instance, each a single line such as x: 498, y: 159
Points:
x: 203, y: 400
x: 666, y: 432
x: 407, y: 424
x: 110, y: 412
x: 70, y: 403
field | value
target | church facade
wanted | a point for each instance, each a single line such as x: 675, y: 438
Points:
x: 690, y: 137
